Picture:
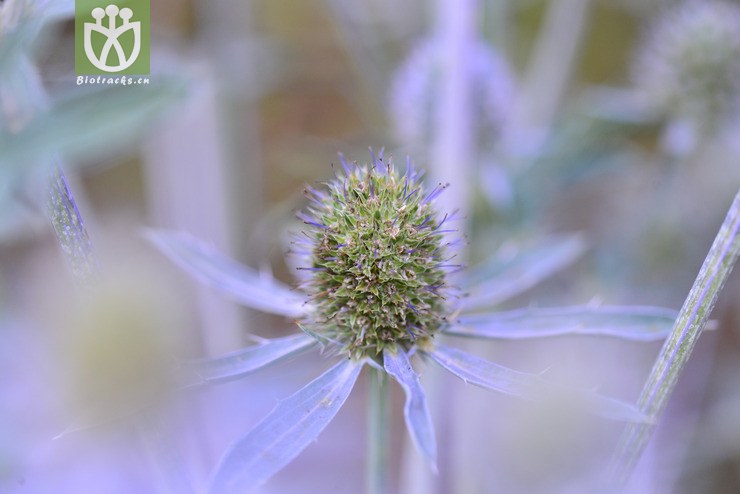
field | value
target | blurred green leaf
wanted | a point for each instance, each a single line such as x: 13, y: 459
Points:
x: 20, y: 32
x: 581, y: 145
x: 16, y: 43
x: 88, y: 123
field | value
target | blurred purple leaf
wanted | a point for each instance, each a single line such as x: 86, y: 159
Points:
x: 637, y: 323
x: 245, y: 361
x: 70, y: 228
x: 481, y: 372
x: 239, y: 282
x: 291, y: 426
x: 416, y: 410
x: 497, y: 280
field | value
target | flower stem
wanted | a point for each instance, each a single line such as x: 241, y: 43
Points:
x: 679, y: 345
x: 378, y: 444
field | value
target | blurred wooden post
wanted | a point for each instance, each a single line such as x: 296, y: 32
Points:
x: 227, y: 38
x: 212, y: 182
x: 187, y: 178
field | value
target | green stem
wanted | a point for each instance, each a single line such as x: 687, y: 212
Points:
x: 679, y: 345
x: 378, y: 443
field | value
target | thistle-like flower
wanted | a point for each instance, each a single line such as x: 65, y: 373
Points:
x: 689, y: 66
x: 380, y: 292
x: 379, y: 266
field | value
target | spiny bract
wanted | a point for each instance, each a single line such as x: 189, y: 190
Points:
x: 378, y: 264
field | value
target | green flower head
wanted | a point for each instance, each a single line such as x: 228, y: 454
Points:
x: 379, y: 293
x: 378, y: 262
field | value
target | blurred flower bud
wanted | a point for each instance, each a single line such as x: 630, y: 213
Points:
x: 689, y: 69
x: 416, y: 87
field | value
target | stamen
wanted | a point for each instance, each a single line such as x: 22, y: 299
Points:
x: 344, y: 164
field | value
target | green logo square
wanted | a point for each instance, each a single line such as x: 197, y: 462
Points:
x: 111, y: 38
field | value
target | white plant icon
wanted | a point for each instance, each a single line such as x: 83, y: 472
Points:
x: 112, y: 33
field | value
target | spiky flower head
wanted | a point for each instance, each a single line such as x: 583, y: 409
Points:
x: 689, y: 67
x: 378, y: 266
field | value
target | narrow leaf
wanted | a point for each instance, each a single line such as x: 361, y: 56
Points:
x: 629, y: 322
x: 242, y: 284
x: 245, y: 361
x: 70, y: 228
x: 486, y: 374
x: 679, y: 345
x: 498, y: 280
x: 15, y: 43
x: 89, y: 123
x: 416, y: 410
x: 291, y: 426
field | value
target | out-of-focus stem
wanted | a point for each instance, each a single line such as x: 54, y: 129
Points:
x: 366, y: 60
x: 69, y: 227
x: 230, y: 141
x: 378, y: 443
x: 451, y: 161
x: 549, y: 71
x: 187, y: 179
x: 678, y: 347
x: 451, y: 158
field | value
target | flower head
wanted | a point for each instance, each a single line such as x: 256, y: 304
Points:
x: 689, y: 68
x: 378, y: 293
x: 378, y: 266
